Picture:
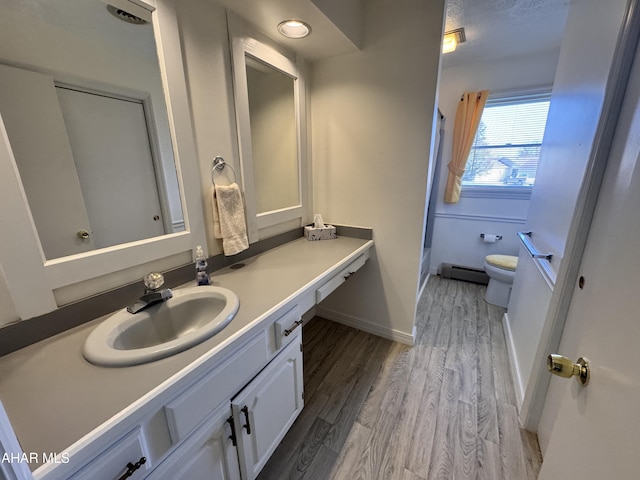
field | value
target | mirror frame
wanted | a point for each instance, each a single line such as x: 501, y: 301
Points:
x: 31, y: 278
x: 243, y: 44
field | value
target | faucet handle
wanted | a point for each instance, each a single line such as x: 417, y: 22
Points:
x: 153, y: 281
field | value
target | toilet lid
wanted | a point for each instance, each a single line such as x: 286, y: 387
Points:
x: 508, y: 262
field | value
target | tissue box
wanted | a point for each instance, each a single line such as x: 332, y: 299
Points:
x: 326, y: 233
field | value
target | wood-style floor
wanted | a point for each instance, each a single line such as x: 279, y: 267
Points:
x: 444, y: 409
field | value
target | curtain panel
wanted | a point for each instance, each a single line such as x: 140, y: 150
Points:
x: 464, y: 131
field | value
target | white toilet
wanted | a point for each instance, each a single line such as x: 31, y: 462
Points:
x: 501, y: 270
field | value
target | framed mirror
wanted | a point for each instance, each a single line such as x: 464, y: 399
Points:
x: 271, y: 119
x: 95, y: 121
x: 274, y: 147
x: 82, y: 101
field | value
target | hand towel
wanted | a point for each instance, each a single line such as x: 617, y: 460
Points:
x: 228, y: 218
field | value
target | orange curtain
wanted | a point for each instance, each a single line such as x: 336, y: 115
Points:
x: 464, y: 131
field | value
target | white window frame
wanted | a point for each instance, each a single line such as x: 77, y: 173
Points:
x: 515, y: 192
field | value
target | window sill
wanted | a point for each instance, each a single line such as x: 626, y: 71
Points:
x: 514, y: 193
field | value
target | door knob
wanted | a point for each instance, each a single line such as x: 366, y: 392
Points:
x: 564, y: 367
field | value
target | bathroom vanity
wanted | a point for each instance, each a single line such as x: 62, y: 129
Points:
x: 216, y: 410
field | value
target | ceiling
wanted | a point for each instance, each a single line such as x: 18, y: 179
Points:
x: 504, y: 28
x: 326, y: 39
x: 493, y: 28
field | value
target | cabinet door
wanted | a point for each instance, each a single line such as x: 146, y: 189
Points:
x: 209, y: 454
x: 265, y: 410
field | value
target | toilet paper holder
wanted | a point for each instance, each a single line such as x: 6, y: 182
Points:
x: 498, y: 237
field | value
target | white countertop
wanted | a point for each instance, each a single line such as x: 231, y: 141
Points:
x: 54, y: 397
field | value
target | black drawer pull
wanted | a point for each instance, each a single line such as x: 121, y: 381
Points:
x: 132, y: 467
x: 289, y: 331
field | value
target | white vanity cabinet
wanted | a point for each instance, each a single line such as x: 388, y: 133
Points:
x: 237, y: 439
x: 218, y: 415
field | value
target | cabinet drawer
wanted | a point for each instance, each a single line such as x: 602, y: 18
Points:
x: 285, y: 327
x: 112, y: 463
x: 341, y: 277
x: 189, y: 409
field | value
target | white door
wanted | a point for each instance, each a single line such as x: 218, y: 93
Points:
x: 31, y: 114
x: 595, y: 430
x: 576, y: 116
x: 110, y: 144
x: 265, y: 409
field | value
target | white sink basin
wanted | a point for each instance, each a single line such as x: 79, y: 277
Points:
x: 190, y: 317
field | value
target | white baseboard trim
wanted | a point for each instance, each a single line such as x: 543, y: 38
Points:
x: 513, y: 362
x: 366, y: 326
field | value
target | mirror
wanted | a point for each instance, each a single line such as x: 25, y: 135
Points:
x: 82, y: 101
x: 269, y: 94
x: 272, y: 117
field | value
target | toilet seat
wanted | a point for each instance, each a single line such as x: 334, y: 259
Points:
x: 506, y: 262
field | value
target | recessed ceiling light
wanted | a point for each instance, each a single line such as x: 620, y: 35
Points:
x: 294, y: 29
x: 451, y: 39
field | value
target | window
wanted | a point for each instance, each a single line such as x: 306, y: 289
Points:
x: 504, y: 156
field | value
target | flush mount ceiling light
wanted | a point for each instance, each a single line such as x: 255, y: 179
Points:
x: 294, y: 29
x: 451, y: 39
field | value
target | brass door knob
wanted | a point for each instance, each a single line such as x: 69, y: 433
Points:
x: 564, y: 367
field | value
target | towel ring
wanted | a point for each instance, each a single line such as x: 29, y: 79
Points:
x: 218, y: 165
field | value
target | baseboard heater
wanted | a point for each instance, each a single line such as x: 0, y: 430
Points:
x: 460, y: 272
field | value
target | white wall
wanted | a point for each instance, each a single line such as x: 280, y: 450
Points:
x: 458, y: 226
x: 346, y: 14
x: 372, y: 121
x: 207, y: 62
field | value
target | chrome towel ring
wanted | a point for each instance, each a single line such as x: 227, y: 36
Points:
x: 219, y: 165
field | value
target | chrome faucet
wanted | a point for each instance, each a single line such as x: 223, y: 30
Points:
x: 152, y: 293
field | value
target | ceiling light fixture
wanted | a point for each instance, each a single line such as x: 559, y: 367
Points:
x: 294, y: 29
x: 451, y: 39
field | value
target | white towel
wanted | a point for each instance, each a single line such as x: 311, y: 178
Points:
x: 228, y: 218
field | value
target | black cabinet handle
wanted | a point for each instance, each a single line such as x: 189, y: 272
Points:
x: 245, y: 410
x: 232, y: 437
x: 132, y: 467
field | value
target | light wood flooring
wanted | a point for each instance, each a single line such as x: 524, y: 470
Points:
x: 444, y: 409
